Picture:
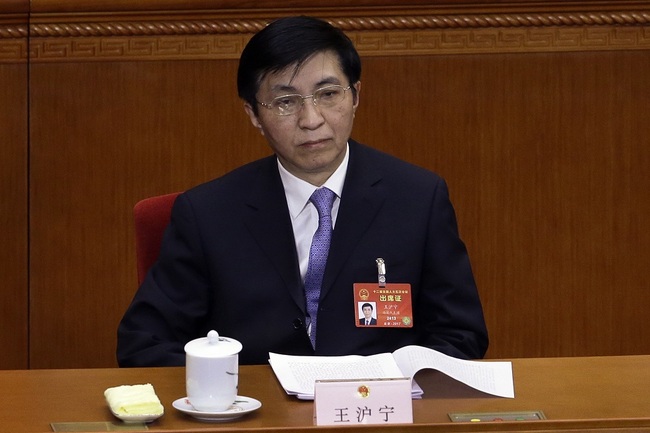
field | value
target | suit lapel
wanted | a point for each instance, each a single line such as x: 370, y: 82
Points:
x: 267, y: 218
x: 360, y: 202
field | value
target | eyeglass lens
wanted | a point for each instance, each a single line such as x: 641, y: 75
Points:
x: 324, y: 97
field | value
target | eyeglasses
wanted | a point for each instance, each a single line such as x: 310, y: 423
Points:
x: 287, y: 105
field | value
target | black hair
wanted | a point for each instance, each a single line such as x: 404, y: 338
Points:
x: 292, y: 41
x: 367, y: 304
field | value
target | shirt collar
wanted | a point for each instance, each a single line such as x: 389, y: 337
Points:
x: 298, y: 191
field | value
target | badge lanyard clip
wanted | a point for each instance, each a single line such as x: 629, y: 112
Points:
x: 381, y: 272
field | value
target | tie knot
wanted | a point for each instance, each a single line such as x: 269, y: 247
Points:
x: 323, y: 199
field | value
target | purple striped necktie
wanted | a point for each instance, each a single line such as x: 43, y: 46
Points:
x: 322, y: 198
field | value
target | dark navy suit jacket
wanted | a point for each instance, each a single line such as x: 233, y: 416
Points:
x: 228, y: 262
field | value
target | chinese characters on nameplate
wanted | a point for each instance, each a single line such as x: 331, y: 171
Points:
x: 368, y: 401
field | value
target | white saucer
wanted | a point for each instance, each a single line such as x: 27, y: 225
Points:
x: 239, y: 408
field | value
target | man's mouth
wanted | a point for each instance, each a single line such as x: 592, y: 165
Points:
x: 314, y: 142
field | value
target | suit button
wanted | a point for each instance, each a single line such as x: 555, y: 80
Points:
x: 297, y: 324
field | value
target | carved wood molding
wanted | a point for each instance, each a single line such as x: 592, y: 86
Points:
x: 376, y: 35
x: 242, y: 26
x: 13, y: 43
x: 519, y: 40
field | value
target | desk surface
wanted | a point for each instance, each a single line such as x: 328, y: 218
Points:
x: 575, y: 394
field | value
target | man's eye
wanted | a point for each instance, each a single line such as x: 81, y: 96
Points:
x: 329, y: 94
x: 285, y: 102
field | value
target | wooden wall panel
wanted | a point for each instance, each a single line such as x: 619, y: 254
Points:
x: 13, y: 185
x: 537, y: 116
x: 288, y: 6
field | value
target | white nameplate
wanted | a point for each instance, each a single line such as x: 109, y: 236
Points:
x: 364, y: 401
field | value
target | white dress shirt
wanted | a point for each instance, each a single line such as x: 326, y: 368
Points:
x: 304, y: 216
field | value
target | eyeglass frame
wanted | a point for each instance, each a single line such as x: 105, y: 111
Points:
x: 314, y: 100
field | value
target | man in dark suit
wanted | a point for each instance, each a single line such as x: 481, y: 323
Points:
x: 237, y: 251
x: 367, y: 319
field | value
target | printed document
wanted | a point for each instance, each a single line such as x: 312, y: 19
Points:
x: 297, y: 374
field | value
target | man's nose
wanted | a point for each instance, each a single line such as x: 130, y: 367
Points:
x: 310, y: 114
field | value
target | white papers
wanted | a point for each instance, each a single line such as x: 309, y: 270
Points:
x: 491, y: 377
x: 297, y: 374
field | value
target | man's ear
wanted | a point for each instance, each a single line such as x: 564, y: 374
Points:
x: 253, y: 117
x: 357, y: 86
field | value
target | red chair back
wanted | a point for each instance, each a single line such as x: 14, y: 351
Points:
x: 151, y: 216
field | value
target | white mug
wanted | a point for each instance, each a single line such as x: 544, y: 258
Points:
x: 212, y: 372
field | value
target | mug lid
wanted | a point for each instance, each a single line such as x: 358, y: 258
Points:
x: 213, y: 346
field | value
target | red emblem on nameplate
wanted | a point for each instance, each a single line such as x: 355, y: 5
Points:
x: 363, y: 391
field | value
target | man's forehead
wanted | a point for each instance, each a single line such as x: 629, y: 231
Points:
x: 285, y: 78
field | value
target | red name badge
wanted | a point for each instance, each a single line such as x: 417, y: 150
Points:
x: 387, y: 306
